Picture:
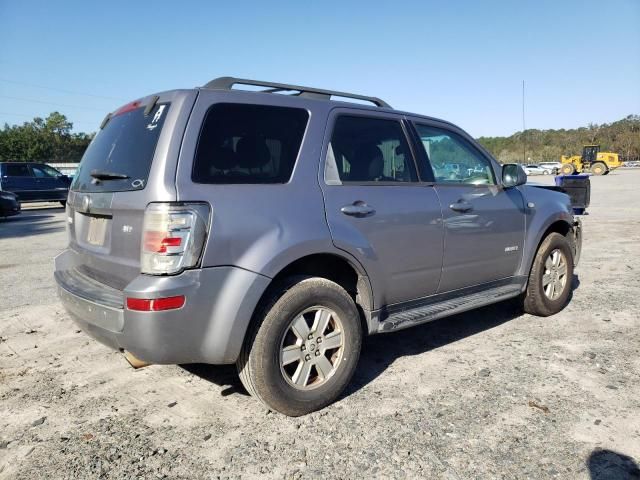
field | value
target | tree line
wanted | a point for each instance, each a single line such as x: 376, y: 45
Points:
x: 43, y: 139
x: 622, y: 137
x: 50, y: 140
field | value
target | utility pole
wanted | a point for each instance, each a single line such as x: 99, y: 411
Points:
x: 524, y: 142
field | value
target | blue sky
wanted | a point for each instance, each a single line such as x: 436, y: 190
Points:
x: 459, y: 60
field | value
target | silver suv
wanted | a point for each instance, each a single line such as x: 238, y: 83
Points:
x: 275, y: 228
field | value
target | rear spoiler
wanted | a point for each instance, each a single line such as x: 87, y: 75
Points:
x: 131, y: 106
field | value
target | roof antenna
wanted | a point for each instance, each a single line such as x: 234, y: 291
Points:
x: 524, y: 138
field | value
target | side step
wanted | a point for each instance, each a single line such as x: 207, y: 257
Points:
x: 436, y: 307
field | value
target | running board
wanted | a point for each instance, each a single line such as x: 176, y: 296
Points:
x: 436, y: 307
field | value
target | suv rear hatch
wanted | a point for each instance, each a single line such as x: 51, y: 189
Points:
x: 130, y: 163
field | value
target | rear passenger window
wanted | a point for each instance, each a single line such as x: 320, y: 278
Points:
x: 242, y: 143
x: 17, y: 171
x: 368, y: 150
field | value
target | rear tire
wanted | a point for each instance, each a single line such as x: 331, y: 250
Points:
x: 599, y: 168
x: 291, y: 363
x: 567, y: 169
x: 551, y: 277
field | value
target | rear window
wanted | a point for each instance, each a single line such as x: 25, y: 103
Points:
x: 125, y: 146
x: 242, y: 143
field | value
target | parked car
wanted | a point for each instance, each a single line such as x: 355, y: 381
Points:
x: 218, y: 225
x: 9, y: 204
x: 34, y: 182
x: 553, y: 167
x: 536, y: 170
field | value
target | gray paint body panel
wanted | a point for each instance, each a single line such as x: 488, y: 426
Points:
x: 401, y: 244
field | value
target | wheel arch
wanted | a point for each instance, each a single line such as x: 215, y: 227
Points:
x: 557, y: 225
x: 344, y: 271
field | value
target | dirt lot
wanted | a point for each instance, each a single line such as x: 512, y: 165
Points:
x: 487, y: 394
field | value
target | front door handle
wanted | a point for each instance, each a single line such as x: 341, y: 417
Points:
x: 461, y: 206
x: 358, y: 209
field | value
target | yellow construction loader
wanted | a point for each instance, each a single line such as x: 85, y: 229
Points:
x: 592, y: 160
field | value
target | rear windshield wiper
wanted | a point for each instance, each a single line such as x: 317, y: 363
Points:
x: 103, y: 175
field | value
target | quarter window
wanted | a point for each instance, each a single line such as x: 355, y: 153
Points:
x: 242, y: 143
x: 452, y: 159
x: 368, y: 150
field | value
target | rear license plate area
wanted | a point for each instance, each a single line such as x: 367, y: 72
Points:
x: 97, y: 231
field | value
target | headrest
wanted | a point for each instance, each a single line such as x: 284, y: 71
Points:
x: 252, y: 152
x: 368, y: 163
x: 223, y: 158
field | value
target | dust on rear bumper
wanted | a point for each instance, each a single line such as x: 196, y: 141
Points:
x: 209, y: 328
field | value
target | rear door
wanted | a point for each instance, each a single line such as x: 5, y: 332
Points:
x: 377, y: 208
x: 139, y: 142
x: 484, y: 223
x: 17, y: 178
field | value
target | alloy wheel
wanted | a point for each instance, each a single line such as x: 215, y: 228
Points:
x: 311, y: 348
x: 554, y: 279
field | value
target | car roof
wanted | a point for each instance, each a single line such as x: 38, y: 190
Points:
x: 23, y: 163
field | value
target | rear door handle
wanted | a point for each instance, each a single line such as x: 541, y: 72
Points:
x: 461, y: 206
x: 358, y: 209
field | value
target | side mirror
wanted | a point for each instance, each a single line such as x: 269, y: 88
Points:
x: 513, y: 175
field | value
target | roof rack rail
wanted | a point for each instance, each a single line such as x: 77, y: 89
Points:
x: 227, y: 83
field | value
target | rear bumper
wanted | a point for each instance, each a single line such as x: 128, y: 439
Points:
x: 209, y: 328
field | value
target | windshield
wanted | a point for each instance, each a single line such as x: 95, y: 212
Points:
x: 124, y: 147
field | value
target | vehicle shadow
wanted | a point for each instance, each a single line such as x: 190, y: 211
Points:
x: 610, y: 465
x: 379, y: 351
x: 221, y: 375
x: 26, y: 225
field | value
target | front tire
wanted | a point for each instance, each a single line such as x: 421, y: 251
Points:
x: 550, y: 278
x: 599, y: 169
x: 567, y: 169
x: 303, y: 347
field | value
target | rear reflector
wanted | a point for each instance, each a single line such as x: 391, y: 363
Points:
x: 155, y: 304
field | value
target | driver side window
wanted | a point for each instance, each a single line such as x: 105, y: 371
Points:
x: 452, y: 159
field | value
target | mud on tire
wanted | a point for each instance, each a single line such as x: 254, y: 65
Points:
x: 278, y: 331
x: 540, y: 299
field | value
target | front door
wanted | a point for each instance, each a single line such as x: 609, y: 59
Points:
x: 378, y: 210
x: 483, y: 222
x: 50, y: 183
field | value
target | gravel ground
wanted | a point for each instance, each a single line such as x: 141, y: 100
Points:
x: 486, y: 394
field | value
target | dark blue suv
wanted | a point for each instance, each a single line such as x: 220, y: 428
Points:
x: 34, y: 182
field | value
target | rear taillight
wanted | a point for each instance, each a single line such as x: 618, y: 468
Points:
x: 173, y: 237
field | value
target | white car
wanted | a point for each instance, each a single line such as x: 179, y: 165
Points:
x: 553, y: 167
x: 536, y: 170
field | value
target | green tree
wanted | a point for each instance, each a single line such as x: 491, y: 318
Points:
x: 49, y: 139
